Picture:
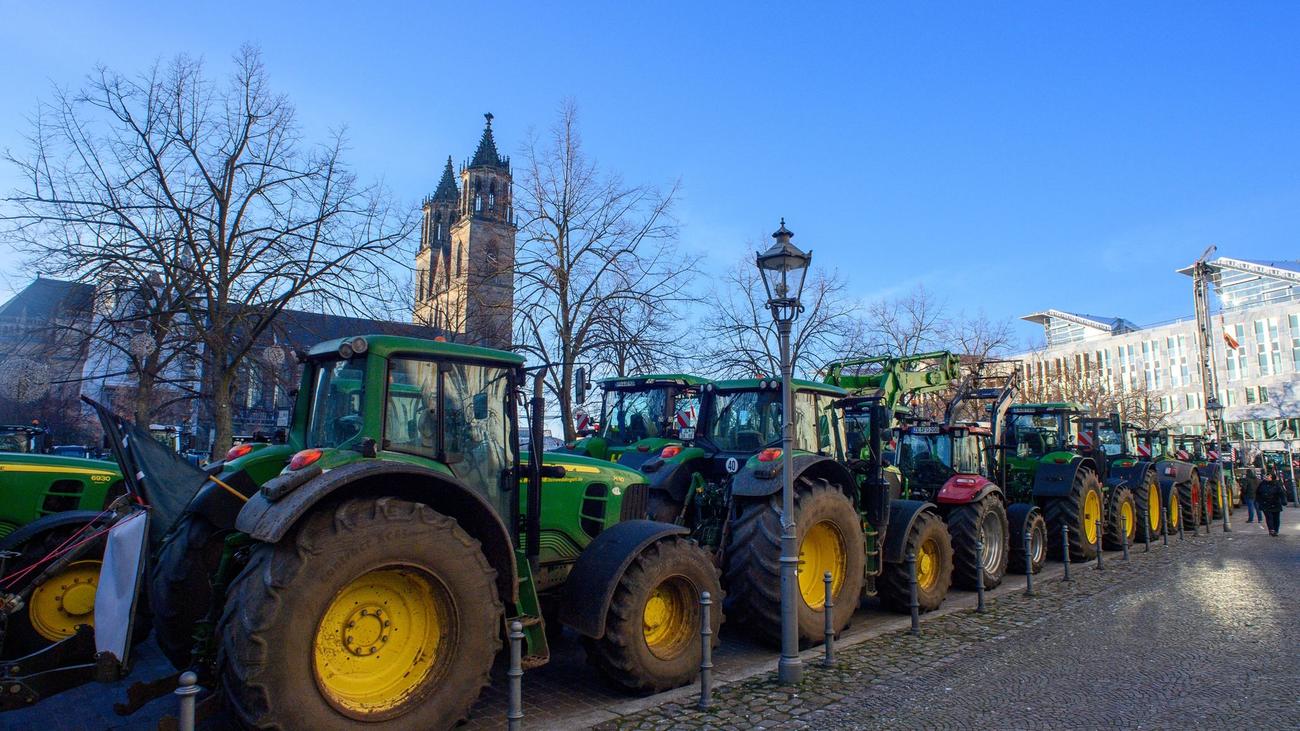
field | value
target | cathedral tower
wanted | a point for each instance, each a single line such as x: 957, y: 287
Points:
x: 465, y: 265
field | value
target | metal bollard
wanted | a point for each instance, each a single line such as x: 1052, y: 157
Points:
x: 914, y: 604
x: 1164, y: 524
x: 1065, y: 552
x: 1180, y: 525
x: 1146, y: 529
x: 979, y: 575
x: 1124, y: 518
x: 829, y: 616
x: 187, y: 691
x: 706, y: 653
x: 1029, y: 566
x: 515, y: 675
x: 1100, y: 545
x: 1225, y: 499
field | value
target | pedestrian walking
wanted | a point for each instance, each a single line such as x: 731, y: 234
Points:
x: 1271, y: 496
x: 1249, y: 486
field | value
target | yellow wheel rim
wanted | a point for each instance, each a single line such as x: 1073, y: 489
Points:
x: 821, y: 550
x: 927, y: 564
x: 1129, y: 517
x: 1153, y: 507
x: 1091, y: 514
x: 668, y: 621
x: 64, y: 601
x: 381, y: 639
x: 1174, y: 516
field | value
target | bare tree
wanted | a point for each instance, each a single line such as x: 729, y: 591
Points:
x: 916, y: 322
x: 1049, y: 380
x: 591, y: 247
x: 209, y: 187
x: 978, y: 338
x: 741, y: 337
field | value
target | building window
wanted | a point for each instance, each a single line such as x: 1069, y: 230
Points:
x: 1263, y: 394
x: 1250, y: 395
x: 253, y: 393
x: 1294, y: 321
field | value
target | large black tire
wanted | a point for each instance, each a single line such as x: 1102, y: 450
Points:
x: 1022, y: 518
x: 984, y: 520
x: 1147, y: 506
x: 753, y: 570
x: 22, y: 636
x: 1121, y: 519
x: 1190, y: 501
x: 276, y: 604
x: 671, y: 572
x: 180, y: 592
x: 895, y: 583
x: 1069, y: 511
x: 1173, y: 507
x: 1207, y: 502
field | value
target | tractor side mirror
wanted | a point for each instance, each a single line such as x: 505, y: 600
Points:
x: 480, y: 406
x: 580, y: 385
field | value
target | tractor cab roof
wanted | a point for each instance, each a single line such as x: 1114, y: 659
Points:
x: 21, y: 429
x: 927, y: 426
x: 762, y: 384
x: 1067, y: 407
x: 651, y: 379
x: 388, y: 345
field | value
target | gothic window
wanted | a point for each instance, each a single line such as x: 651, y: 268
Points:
x: 492, y: 253
x: 460, y: 258
x: 478, y: 203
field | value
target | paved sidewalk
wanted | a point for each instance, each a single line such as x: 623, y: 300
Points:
x: 1201, y: 634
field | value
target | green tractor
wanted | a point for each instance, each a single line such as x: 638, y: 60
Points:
x: 1040, y: 465
x: 24, y: 439
x: 640, y: 415
x: 44, y: 500
x: 726, y: 487
x: 1193, y: 448
x: 1180, y: 483
x: 1113, y: 446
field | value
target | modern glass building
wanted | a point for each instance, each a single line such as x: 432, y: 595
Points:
x: 1255, y: 331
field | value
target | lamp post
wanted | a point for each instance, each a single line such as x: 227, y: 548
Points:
x: 1288, y: 437
x: 783, y: 267
x: 1214, y: 415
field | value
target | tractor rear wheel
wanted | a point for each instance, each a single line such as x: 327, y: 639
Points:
x: 652, y: 631
x: 928, y: 539
x: 1174, y: 509
x: 1190, y: 501
x: 1081, y: 510
x: 383, y: 611
x: 986, y: 521
x: 1024, y: 518
x: 829, y: 539
x: 1146, y: 506
x: 1121, y: 520
x: 180, y: 592
x: 1207, y: 498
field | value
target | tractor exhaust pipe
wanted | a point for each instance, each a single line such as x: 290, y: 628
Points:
x: 533, y: 519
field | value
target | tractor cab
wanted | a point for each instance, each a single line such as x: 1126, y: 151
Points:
x: 1033, y: 435
x: 22, y: 439
x: 1191, y: 448
x: 641, y: 415
x: 929, y: 456
x: 1154, y: 444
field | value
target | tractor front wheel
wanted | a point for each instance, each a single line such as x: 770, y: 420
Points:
x: 1081, y: 510
x: 62, y: 602
x: 1146, y: 506
x: 928, y: 540
x: 379, y: 611
x: 829, y: 536
x: 986, y: 521
x: 1025, y: 519
x: 652, y: 631
x: 180, y: 589
x: 1121, y: 521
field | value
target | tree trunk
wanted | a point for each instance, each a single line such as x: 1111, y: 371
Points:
x: 222, y: 416
x: 143, y: 411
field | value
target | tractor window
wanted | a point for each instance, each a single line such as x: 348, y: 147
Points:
x: 745, y: 421
x: 967, y: 454
x: 630, y: 416
x: 411, y: 411
x: 926, y: 458
x: 478, y: 447
x: 1034, y: 435
x: 1111, y: 441
x: 336, y: 406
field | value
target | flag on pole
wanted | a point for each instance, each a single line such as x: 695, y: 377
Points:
x: 1227, y: 336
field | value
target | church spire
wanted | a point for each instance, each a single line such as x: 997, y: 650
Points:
x: 486, y: 155
x: 447, y: 190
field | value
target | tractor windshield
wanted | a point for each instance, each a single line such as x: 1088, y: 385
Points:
x: 1034, y: 434
x: 17, y: 440
x: 748, y: 421
x: 337, y: 401
x: 1110, y: 440
x: 926, y: 458
x: 627, y: 417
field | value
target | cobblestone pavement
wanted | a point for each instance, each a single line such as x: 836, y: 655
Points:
x: 1201, y: 635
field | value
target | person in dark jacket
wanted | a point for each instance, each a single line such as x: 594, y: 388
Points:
x: 1271, y: 496
x: 1249, y: 486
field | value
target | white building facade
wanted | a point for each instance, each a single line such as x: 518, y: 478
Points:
x: 1259, y: 378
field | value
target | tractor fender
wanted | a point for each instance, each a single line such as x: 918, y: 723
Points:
x: 268, y: 521
x: 1127, y: 476
x: 1056, y: 480
x: 47, y: 523
x: 966, y: 489
x: 1211, y: 472
x: 1173, y: 472
x: 593, y: 579
x: 766, y: 480
x: 671, y: 476
x: 217, y: 505
x: 1018, y: 514
x: 902, y: 514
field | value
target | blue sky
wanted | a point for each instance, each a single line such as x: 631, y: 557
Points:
x: 1012, y: 157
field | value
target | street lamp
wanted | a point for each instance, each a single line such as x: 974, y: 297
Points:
x: 1214, y: 417
x: 1287, y: 438
x: 783, y: 268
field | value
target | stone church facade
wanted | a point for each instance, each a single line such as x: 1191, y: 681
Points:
x: 464, y: 281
